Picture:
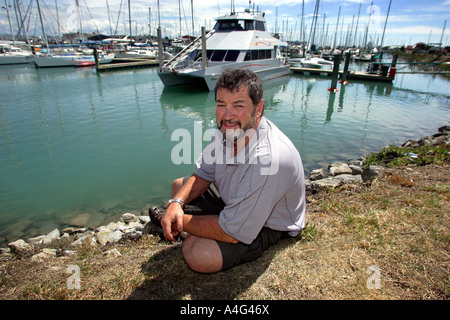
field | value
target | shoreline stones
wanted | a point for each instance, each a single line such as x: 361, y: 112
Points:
x: 42, y: 248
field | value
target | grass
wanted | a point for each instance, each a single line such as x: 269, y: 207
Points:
x: 398, y: 225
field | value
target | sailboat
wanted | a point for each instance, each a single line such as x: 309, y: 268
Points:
x: 238, y: 40
x: 49, y: 59
x: 10, y: 54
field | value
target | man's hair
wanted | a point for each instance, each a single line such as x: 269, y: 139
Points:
x: 232, y: 79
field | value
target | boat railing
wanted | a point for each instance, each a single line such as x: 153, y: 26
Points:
x: 183, y: 55
x: 187, y: 63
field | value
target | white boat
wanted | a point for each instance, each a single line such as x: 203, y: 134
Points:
x: 361, y: 56
x: 143, y: 53
x: 89, y: 60
x: 50, y: 60
x: 238, y: 40
x: 309, y: 62
x: 10, y: 54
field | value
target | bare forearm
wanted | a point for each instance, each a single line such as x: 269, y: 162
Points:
x: 206, y: 227
x: 193, y: 188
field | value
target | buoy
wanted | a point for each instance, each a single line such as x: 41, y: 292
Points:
x: 334, y: 90
x: 343, y: 82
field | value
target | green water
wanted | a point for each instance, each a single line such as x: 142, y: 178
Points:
x: 74, y: 141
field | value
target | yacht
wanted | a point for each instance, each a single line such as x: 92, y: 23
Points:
x: 10, y: 54
x: 238, y: 40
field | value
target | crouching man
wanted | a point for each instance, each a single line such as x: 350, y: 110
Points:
x: 248, y: 188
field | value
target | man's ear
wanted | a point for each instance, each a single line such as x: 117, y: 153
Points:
x: 260, y: 108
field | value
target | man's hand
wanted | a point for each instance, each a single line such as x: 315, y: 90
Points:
x: 172, y: 223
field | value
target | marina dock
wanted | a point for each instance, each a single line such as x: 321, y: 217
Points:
x: 359, y: 75
x: 126, y: 63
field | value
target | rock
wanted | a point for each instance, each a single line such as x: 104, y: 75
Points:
x: 113, y: 252
x: 144, y: 219
x: 316, y: 175
x: 81, y: 220
x: 46, y: 254
x: 326, y: 183
x: 128, y: 217
x: 371, y: 172
x: 20, y: 247
x: 105, y: 236
x: 45, y: 239
x: 87, y: 237
x: 348, y: 178
x: 339, y: 168
x: 356, y: 170
x: 444, y: 129
x: 72, y: 230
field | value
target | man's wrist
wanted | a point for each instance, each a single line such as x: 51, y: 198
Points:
x: 181, y: 202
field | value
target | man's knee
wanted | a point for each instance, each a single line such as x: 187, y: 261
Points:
x: 202, y: 255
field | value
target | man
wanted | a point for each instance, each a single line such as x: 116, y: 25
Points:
x: 248, y: 184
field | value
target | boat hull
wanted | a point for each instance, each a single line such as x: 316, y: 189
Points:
x: 208, y: 77
x: 53, y: 61
x: 4, y: 60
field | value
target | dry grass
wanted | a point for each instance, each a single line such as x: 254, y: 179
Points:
x: 399, y: 224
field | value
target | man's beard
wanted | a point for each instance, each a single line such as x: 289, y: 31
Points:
x: 236, y: 134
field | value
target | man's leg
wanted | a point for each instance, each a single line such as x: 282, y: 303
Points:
x: 202, y: 255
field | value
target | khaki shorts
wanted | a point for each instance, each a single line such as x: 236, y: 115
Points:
x: 211, y: 203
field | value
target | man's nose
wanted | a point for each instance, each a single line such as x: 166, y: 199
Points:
x: 228, y: 113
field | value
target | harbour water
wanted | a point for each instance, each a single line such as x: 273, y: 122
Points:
x: 73, y: 141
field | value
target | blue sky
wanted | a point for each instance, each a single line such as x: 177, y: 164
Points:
x: 409, y: 22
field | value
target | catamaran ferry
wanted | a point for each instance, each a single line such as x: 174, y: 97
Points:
x: 238, y: 40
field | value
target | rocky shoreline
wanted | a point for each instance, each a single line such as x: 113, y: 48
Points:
x: 60, y: 243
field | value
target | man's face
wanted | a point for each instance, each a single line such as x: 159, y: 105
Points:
x: 235, y: 110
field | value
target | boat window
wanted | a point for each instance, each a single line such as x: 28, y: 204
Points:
x: 232, y: 55
x: 249, y: 25
x: 260, y: 26
x: 218, y: 55
x: 258, y: 55
x: 229, y: 25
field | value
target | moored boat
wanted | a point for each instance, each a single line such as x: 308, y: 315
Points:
x: 238, y: 40
x: 10, y: 54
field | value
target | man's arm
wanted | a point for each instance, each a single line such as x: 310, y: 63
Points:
x: 206, y: 226
x: 175, y: 220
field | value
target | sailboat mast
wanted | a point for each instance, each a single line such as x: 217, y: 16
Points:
x: 385, y: 23
x: 129, y: 16
x: 367, y: 27
x: 57, y: 20
x: 42, y: 26
x: 192, y: 13
x: 337, y: 26
x: 79, y: 20
x: 356, y: 29
x: 179, y: 17
x: 9, y: 20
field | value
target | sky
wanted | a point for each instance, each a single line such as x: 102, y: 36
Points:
x: 342, y: 22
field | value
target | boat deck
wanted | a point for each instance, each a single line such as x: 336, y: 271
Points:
x: 351, y: 74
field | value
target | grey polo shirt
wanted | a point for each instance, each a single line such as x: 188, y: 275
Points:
x: 262, y: 186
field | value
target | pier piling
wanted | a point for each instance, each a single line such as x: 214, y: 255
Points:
x: 335, y: 74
